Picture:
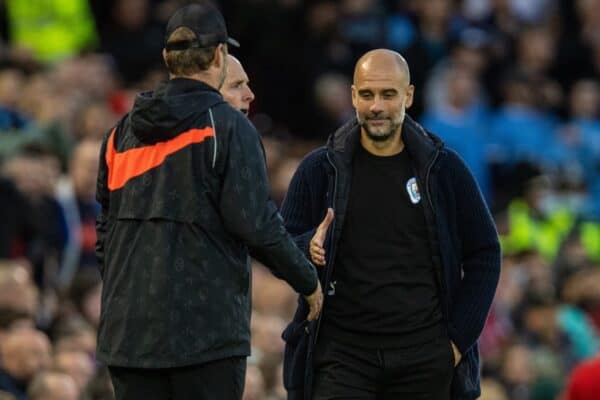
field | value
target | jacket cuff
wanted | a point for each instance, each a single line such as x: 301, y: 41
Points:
x: 303, y: 240
x: 314, y: 286
x: 458, y: 339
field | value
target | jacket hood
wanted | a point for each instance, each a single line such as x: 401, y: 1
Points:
x: 420, y: 143
x: 164, y: 113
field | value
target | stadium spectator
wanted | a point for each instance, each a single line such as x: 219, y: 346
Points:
x: 583, y: 382
x: 52, y: 385
x: 24, y: 353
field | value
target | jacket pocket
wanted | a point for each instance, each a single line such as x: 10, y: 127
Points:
x: 296, y: 339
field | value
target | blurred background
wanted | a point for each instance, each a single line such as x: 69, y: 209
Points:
x: 512, y: 85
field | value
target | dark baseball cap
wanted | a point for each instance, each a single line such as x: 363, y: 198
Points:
x: 205, y: 20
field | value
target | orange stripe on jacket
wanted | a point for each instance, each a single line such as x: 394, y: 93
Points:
x: 126, y: 165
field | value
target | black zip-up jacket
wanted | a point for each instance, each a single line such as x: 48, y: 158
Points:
x: 184, y: 194
x: 465, y: 250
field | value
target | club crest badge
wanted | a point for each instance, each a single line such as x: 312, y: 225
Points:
x: 413, y: 190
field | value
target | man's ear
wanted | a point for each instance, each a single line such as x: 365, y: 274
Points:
x: 410, y: 92
x: 220, y: 54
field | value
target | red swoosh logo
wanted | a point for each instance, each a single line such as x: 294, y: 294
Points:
x: 126, y: 165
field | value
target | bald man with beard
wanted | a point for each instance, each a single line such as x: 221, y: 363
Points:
x: 236, y: 90
x: 408, y: 252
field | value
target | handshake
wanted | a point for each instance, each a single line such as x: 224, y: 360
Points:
x: 317, y: 256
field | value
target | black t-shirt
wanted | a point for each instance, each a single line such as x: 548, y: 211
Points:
x: 383, y: 290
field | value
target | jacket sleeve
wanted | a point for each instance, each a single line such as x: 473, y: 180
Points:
x: 480, y: 259
x: 249, y: 213
x: 298, y: 208
x: 102, y: 196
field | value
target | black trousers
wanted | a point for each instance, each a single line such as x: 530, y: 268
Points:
x: 348, y: 372
x: 222, y: 379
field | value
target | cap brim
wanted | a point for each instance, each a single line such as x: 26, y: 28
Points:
x: 233, y: 42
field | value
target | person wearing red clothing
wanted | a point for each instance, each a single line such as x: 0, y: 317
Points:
x: 584, y: 383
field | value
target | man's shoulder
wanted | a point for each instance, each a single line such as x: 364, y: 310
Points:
x: 316, y: 159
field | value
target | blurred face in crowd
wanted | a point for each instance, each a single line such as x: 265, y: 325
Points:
x: 536, y: 50
x: 24, y: 353
x: 83, y: 341
x: 53, y: 386
x: 76, y: 364
x: 84, y: 168
x: 17, y: 291
x: 131, y: 14
x: 35, y: 175
x: 11, y: 83
x: 517, y: 367
x: 381, y: 93
x: 96, y: 120
x: 519, y: 92
x: 236, y: 90
x: 585, y: 99
x: 435, y: 10
x: 331, y: 95
x: 461, y: 88
x: 540, y: 320
x: 355, y: 7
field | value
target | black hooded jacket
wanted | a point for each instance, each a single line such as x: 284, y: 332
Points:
x: 184, y: 194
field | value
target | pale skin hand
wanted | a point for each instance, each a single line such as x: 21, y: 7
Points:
x: 315, y: 302
x: 457, y: 355
x: 315, y: 248
x: 317, y: 255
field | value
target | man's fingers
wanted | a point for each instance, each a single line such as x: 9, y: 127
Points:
x: 318, y: 258
x: 323, y: 226
x: 318, y: 251
x: 311, y: 315
x: 317, y: 254
x: 327, y: 220
x: 315, y: 309
x: 315, y: 302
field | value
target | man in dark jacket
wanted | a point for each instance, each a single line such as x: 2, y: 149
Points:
x: 410, y: 256
x: 185, y: 198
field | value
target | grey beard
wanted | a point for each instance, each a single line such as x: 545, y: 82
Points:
x: 379, y: 137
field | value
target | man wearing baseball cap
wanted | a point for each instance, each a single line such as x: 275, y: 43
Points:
x: 185, y: 199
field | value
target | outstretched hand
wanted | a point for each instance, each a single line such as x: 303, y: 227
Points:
x: 316, y: 250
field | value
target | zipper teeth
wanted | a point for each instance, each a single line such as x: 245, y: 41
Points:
x: 328, y: 276
x: 212, y: 123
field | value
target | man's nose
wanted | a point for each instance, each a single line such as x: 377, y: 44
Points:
x: 248, y: 95
x: 376, y: 107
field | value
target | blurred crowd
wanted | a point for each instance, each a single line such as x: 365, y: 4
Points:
x: 512, y: 85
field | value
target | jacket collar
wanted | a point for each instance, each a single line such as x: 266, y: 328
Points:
x: 177, y: 86
x: 421, y: 144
